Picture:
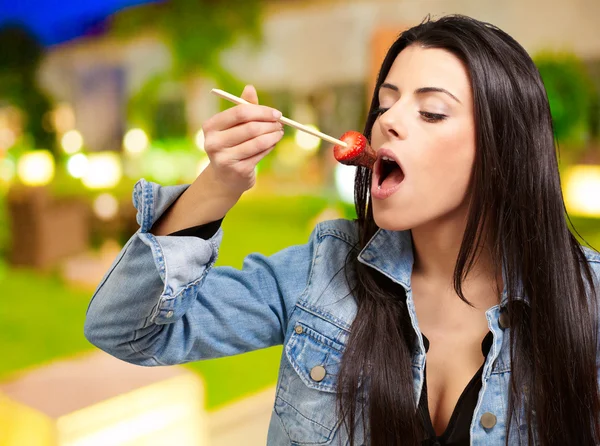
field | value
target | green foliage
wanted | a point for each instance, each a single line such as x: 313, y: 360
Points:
x: 570, y: 93
x: 196, y: 32
x: 143, y: 103
x: 588, y: 233
x: 4, y: 229
x: 20, y: 52
x: 169, y: 119
x: 20, y: 55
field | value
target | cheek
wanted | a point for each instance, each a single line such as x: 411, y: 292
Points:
x: 376, y: 135
x: 453, y: 158
x: 448, y: 165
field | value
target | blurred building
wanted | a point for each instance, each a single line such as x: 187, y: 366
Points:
x: 318, y: 59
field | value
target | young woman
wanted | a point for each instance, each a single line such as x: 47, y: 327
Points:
x: 457, y: 309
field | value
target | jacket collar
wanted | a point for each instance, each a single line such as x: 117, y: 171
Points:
x: 391, y: 253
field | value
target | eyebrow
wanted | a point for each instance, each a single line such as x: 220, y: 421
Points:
x: 421, y: 90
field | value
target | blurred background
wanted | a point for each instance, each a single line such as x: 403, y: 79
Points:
x: 95, y: 95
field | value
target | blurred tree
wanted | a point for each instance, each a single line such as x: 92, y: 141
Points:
x: 20, y: 55
x: 196, y: 31
x: 593, y: 67
x: 571, y: 94
x: 4, y: 231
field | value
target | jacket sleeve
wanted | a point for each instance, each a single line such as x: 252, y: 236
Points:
x: 162, y: 301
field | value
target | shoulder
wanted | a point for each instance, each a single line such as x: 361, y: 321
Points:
x: 593, y: 258
x: 340, y: 229
x: 591, y: 255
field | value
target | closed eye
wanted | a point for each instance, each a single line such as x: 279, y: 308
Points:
x: 432, y: 117
x: 427, y: 116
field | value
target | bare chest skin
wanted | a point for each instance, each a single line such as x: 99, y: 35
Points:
x: 455, y: 332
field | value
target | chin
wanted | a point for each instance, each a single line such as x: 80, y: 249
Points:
x: 391, y: 221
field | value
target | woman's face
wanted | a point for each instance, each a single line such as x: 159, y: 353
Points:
x: 426, y: 125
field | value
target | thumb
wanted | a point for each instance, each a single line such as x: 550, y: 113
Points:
x: 249, y: 94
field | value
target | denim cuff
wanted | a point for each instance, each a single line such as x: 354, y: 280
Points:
x: 182, y: 262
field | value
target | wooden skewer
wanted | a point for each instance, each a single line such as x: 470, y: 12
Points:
x: 283, y: 119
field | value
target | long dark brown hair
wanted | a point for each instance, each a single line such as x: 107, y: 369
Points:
x: 515, y: 188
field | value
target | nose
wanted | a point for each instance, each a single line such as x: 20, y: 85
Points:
x: 391, y: 124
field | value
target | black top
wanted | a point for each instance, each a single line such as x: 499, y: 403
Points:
x: 457, y: 432
x: 203, y: 231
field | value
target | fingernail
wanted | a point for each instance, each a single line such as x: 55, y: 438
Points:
x: 276, y: 114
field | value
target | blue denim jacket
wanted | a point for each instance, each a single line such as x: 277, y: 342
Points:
x: 162, y: 302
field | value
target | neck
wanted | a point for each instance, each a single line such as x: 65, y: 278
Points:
x: 435, y: 250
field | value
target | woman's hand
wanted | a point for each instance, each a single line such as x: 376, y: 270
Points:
x: 236, y: 139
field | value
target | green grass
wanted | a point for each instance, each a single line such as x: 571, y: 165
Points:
x: 267, y: 225
x: 42, y: 320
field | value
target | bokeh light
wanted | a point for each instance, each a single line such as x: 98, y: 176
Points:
x: 63, y: 118
x: 202, y: 164
x: 307, y: 141
x: 135, y: 141
x: 344, y: 182
x: 106, y: 207
x: 36, y: 168
x: 200, y: 139
x: 7, y: 139
x: 288, y: 156
x: 7, y: 170
x: 582, y: 190
x: 104, y: 171
x: 72, y: 142
x: 77, y: 165
x: 162, y: 166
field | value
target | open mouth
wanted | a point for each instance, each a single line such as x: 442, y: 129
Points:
x: 390, y: 174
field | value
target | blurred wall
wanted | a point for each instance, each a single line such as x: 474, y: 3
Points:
x: 308, y: 44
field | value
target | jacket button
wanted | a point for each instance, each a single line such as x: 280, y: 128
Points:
x: 488, y: 420
x: 169, y: 314
x: 503, y: 320
x: 298, y: 329
x: 317, y: 373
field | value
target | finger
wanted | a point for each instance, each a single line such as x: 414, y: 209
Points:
x: 255, y: 159
x: 249, y: 148
x: 240, y: 114
x: 249, y: 94
x: 258, y: 145
x: 245, y: 132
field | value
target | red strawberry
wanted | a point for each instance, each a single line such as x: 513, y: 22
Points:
x: 358, y: 152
